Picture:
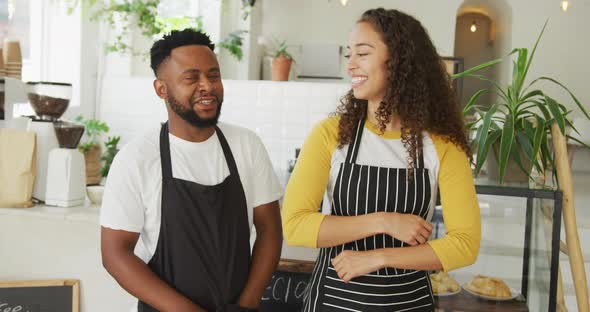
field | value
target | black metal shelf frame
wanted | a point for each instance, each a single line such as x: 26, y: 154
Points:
x: 530, y: 195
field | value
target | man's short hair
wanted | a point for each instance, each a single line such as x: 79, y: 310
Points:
x: 162, y: 48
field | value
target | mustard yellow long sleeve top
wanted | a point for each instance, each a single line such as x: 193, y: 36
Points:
x: 316, y: 171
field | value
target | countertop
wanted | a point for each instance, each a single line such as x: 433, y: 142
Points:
x: 84, y: 213
x: 89, y: 213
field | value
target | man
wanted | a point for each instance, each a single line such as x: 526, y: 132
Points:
x: 180, y: 201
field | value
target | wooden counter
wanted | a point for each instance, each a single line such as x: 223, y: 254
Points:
x: 295, y: 266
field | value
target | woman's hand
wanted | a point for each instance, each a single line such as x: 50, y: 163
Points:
x: 408, y: 228
x: 350, y: 264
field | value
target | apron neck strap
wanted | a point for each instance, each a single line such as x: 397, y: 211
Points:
x: 353, y: 147
x: 229, y: 157
x: 420, y: 163
x: 165, y: 152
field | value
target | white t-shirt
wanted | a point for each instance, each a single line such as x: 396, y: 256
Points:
x: 133, y: 192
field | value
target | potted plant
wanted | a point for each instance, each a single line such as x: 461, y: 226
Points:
x: 281, y: 63
x: 518, y: 126
x: 91, y: 149
x: 112, y: 149
x: 95, y: 192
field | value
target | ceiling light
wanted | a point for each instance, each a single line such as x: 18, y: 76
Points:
x: 11, y: 7
x: 565, y: 5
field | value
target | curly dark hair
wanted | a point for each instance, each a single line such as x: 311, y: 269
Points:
x: 418, y: 91
x: 162, y: 48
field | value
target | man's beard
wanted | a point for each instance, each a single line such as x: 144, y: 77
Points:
x: 190, y: 116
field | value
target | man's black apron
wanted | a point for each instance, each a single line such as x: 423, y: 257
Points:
x: 362, y: 189
x: 203, y: 248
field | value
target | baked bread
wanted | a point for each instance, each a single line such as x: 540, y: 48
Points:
x: 489, y: 286
x: 443, y: 283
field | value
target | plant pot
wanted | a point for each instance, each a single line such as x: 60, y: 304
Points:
x: 513, y: 173
x: 280, y: 68
x: 95, y: 193
x: 93, y: 165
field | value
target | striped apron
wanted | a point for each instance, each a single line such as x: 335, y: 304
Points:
x: 362, y: 189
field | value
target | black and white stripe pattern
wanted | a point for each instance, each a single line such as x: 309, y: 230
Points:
x: 363, y: 189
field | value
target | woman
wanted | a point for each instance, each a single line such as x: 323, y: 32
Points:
x: 397, y: 137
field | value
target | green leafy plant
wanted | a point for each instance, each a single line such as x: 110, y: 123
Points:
x: 233, y: 43
x: 85, y: 5
x: 168, y: 24
x: 120, y: 15
x: 94, y: 129
x: 247, y: 7
x: 108, y: 156
x: 280, y: 49
x: 520, y: 121
x: 145, y: 14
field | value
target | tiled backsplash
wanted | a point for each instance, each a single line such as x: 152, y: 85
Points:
x: 281, y: 113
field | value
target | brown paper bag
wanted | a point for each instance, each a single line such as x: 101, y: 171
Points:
x: 17, y: 168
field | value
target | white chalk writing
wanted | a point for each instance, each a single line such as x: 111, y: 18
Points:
x: 5, y: 307
x: 283, y: 288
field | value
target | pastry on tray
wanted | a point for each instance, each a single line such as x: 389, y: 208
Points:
x: 489, y: 286
x: 442, y: 283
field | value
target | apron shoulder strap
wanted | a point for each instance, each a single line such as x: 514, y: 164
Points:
x: 229, y: 157
x: 420, y: 163
x: 353, y: 147
x: 165, y: 152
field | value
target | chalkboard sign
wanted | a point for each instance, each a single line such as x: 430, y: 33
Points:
x: 40, y: 296
x: 287, y: 287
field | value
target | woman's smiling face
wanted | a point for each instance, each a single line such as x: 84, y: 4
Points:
x: 367, y: 55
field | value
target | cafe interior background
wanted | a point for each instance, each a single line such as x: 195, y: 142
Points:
x: 99, y: 63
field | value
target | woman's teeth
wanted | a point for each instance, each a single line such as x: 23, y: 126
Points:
x: 357, y: 81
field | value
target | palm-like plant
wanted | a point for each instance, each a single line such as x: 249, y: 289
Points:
x: 280, y: 50
x: 521, y: 119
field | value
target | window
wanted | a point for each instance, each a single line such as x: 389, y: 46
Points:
x: 50, y: 42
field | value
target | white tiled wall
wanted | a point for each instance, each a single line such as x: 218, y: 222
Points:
x: 281, y: 113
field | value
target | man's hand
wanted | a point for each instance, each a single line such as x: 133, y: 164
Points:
x: 265, y: 254
x: 136, y: 277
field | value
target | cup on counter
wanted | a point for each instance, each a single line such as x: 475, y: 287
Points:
x: 11, y: 52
